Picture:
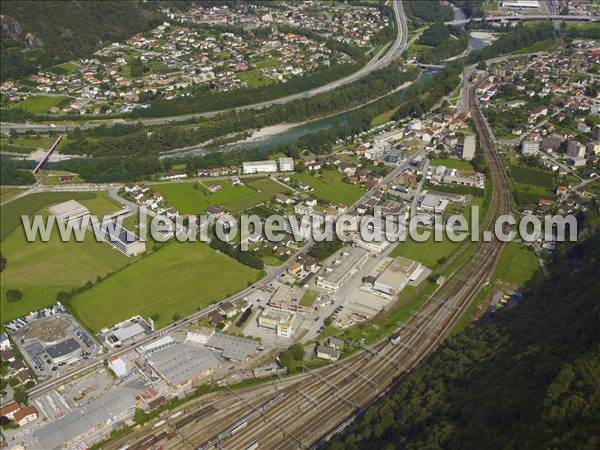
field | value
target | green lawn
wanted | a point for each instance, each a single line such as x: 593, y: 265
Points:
x: 42, y: 269
x: 65, y: 68
x: 254, y: 78
x: 179, y: 278
x: 309, y: 297
x: 266, y: 63
x: 517, y: 264
x: 329, y: 186
x: 28, y: 142
x: 8, y: 192
x: 428, y: 252
x: 11, y: 212
x: 383, y: 117
x: 541, y: 46
x: 531, y: 176
x: 188, y: 200
x: 40, y: 104
x: 452, y: 163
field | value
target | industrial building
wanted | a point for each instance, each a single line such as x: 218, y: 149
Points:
x: 64, y: 352
x: 127, y: 332
x: 120, y: 238
x: 251, y: 167
x: 341, y: 267
x: 158, y: 345
x: 397, y: 275
x: 521, y: 4
x: 283, y: 322
x: 70, y: 211
x: 181, y: 364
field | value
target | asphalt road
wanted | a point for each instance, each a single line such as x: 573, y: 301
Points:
x: 377, y: 62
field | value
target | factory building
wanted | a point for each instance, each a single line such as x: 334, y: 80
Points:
x: 69, y: 211
x: 397, y: 275
x: 341, y: 267
x: 64, y: 352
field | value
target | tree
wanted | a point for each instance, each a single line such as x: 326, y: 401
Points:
x: 176, y: 317
x: 20, y: 396
x: 63, y: 297
x: 13, y: 295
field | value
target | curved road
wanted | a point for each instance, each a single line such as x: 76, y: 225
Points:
x: 393, y: 52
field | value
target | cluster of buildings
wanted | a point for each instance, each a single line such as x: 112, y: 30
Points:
x: 558, y: 109
x: 49, y: 339
x: 443, y: 175
x: 192, y: 50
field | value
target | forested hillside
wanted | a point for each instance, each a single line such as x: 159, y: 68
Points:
x: 528, y: 380
x: 47, y: 33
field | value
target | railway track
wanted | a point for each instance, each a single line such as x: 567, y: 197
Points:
x: 313, y: 406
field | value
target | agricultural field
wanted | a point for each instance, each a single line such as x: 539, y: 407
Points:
x: 193, y: 198
x: 41, y: 104
x: 329, y: 186
x: 452, y: 163
x: 428, y: 252
x: 384, y: 117
x: 42, y: 269
x: 169, y: 281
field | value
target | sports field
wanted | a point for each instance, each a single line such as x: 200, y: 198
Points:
x: 180, y: 278
x: 187, y: 199
x: 40, y: 104
x: 328, y: 186
x: 42, y: 269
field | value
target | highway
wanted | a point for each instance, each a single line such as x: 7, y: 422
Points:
x: 310, y: 409
x: 377, y: 62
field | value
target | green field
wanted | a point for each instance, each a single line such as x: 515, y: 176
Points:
x: 179, y: 278
x: 26, y: 144
x: 452, y: 163
x: 428, y: 252
x: 8, y: 192
x: 542, y: 46
x: 536, y: 177
x: 11, y: 212
x: 65, y: 68
x: 517, y: 264
x: 328, y: 186
x: 271, y: 62
x: 383, y: 117
x: 42, y: 269
x: 185, y: 198
x: 309, y: 297
x: 254, y: 78
x: 41, y: 104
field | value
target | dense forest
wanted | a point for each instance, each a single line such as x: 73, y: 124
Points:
x: 443, y: 42
x: 50, y: 32
x: 13, y: 173
x: 429, y: 11
x: 528, y: 379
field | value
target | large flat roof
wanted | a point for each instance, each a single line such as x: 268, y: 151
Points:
x: 108, y: 407
x: 183, y: 362
x: 128, y: 332
x: 398, y: 272
x: 63, y: 348
x: 339, y: 264
x: 233, y: 347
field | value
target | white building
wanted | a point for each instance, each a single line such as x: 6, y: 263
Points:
x: 521, y: 4
x: 251, y: 167
x: 4, y: 341
x: 286, y: 164
x: 530, y: 146
x: 200, y: 336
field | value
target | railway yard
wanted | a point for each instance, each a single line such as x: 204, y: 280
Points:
x: 308, y: 409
